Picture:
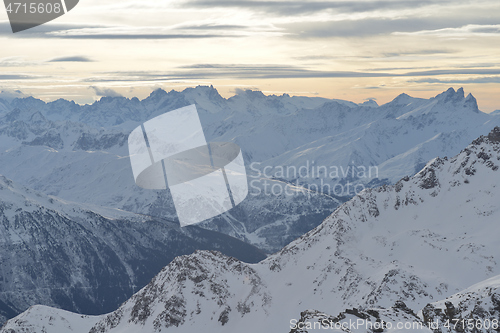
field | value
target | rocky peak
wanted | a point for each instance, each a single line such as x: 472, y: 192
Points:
x: 450, y: 94
x: 492, y: 138
x: 157, y: 95
x: 209, y: 92
x: 369, y: 103
x: 454, y: 97
x: 470, y: 101
x: 494, y: 135
x: 184, y: 285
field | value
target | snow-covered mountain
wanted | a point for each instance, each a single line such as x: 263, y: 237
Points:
x: 475, y: 309
x: 319, y: 144
x: 423, y: 242
x: 397, y: 138
x: 83, y: 258
x: 81, y: 163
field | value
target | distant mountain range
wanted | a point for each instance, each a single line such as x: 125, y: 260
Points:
x: 304, y: 155
x: 423, y: 250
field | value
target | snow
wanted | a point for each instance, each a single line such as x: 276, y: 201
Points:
x: 81, y: 152
x: 422, y: 240
x: 41, y: 318
x: 431, y: 238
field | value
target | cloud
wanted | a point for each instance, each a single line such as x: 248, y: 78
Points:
x: 13, y: 77
x: 459, y: 66
x: 72, y: 35
x: 310, y: 19
x: 287, y: 8
x: 39, y: 31
x: 463, y: 31
x: 79, y: 31
x: 16, y: 62
x: 71, y: 59
x: 419, y: 52
x: 9, y: 94
x: 134, y: 33
x: 395, y: 68
x: 105, y: 92
x: 269, y: 71
x: 213, y: 27
x: 460, y: 71
x: 397, y: 26
x: 314, y: 57
x: 477, y: 65
x: 488, y: 79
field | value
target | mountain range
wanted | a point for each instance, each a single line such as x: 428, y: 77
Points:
x: 67, y: 169
x: 87, y: 259
x: 314, y: 148
x: 420, y: 251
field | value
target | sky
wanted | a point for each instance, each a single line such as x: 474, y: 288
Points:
x: 354, y: 50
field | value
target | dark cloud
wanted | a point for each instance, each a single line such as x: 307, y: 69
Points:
x: 489, y: 79
x: 287, y: 8
x: 71, y: 59
x: 379, y: 26
x: 479, y: 65
x: 140, y: 36
x: 68, y: 31
x: 418, y: 52
x: 470, y: 29
x: 395, y: 69
x: 105, y: 92
x: 270, y: 71
x: 487, y: 30
x: 314, y: 57
x: 40, y: 31
x: 244, y: 68
x: 14, y: 77
x: 213, y: 27
x: 461, y: 71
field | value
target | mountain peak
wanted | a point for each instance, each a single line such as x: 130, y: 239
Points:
x: 451, y: 95
x: 492, y: 137
x: 457, y: 98
x: 401, y: 99
x: 157, y: 94
x: 370, y: 103
x: 211, y: 92
x: 471, y: 101
x: 252, y: 94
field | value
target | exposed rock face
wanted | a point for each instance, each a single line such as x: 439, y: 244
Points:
x: 71, y: 257
x: 165, y: 302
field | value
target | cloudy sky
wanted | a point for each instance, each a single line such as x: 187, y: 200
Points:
x: 353, y: 50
